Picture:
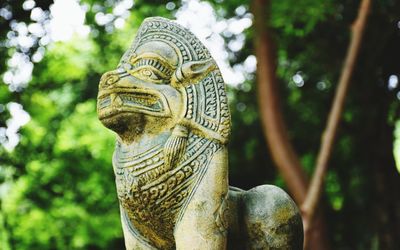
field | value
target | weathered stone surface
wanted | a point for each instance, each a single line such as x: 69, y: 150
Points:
x: 167, y: 103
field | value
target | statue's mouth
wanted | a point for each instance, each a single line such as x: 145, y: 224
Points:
x: 123, y: 101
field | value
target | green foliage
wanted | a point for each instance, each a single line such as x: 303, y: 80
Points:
x: 299, y: 18
x: 61, y: 194
x: 57, y: 186
x: 65, y: 197
x: 396, y: 149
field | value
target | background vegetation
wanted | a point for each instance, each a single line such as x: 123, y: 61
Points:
x: 56, y: 182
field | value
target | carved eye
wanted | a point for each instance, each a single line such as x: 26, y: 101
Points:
x: 150, y: 69
x: 149, y: 74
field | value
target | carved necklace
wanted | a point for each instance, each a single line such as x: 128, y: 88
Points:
x: 156, y: 197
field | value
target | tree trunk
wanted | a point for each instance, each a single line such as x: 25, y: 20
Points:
x: 328, y: 137
x: 273, y: 124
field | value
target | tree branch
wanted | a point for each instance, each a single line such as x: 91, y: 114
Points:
x: 272, y: 121
x: 310, y: 204
x: 273, y: 124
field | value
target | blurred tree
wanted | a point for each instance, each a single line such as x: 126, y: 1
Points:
x: 57, y: 188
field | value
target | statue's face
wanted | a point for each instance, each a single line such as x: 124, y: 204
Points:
x: 139, y: 91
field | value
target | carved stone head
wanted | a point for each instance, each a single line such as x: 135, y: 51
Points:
x: 167, y: 80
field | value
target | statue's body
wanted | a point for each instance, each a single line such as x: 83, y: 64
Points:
x: 166, y: 101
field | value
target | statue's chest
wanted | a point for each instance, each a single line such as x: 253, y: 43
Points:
x: 155, y: 196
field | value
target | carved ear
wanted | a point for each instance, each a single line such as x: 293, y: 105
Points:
x: 175, y: 146
x: 191, y: 71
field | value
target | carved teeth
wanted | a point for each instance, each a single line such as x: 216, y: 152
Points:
x: 116, y: 100
x: 148, y: 101
x: 139, y: 100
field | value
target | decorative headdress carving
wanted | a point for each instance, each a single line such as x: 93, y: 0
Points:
x: 196, y: 75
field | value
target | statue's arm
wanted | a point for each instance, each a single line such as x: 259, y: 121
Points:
x: 202, y: 225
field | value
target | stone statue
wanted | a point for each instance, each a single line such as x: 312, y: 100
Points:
x: 166, y: 101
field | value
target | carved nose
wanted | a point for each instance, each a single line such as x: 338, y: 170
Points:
x: 110, y: 78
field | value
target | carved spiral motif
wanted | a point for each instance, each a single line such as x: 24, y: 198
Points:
x: 109, y: 78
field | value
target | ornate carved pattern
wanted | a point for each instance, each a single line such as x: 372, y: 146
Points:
x: 155, y: 187
x: 160, y: 29
x: 167, y: 99
x: 213, y: 114
x: 207, y: 104
x: 221, y: 215
x: 154, y: 197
